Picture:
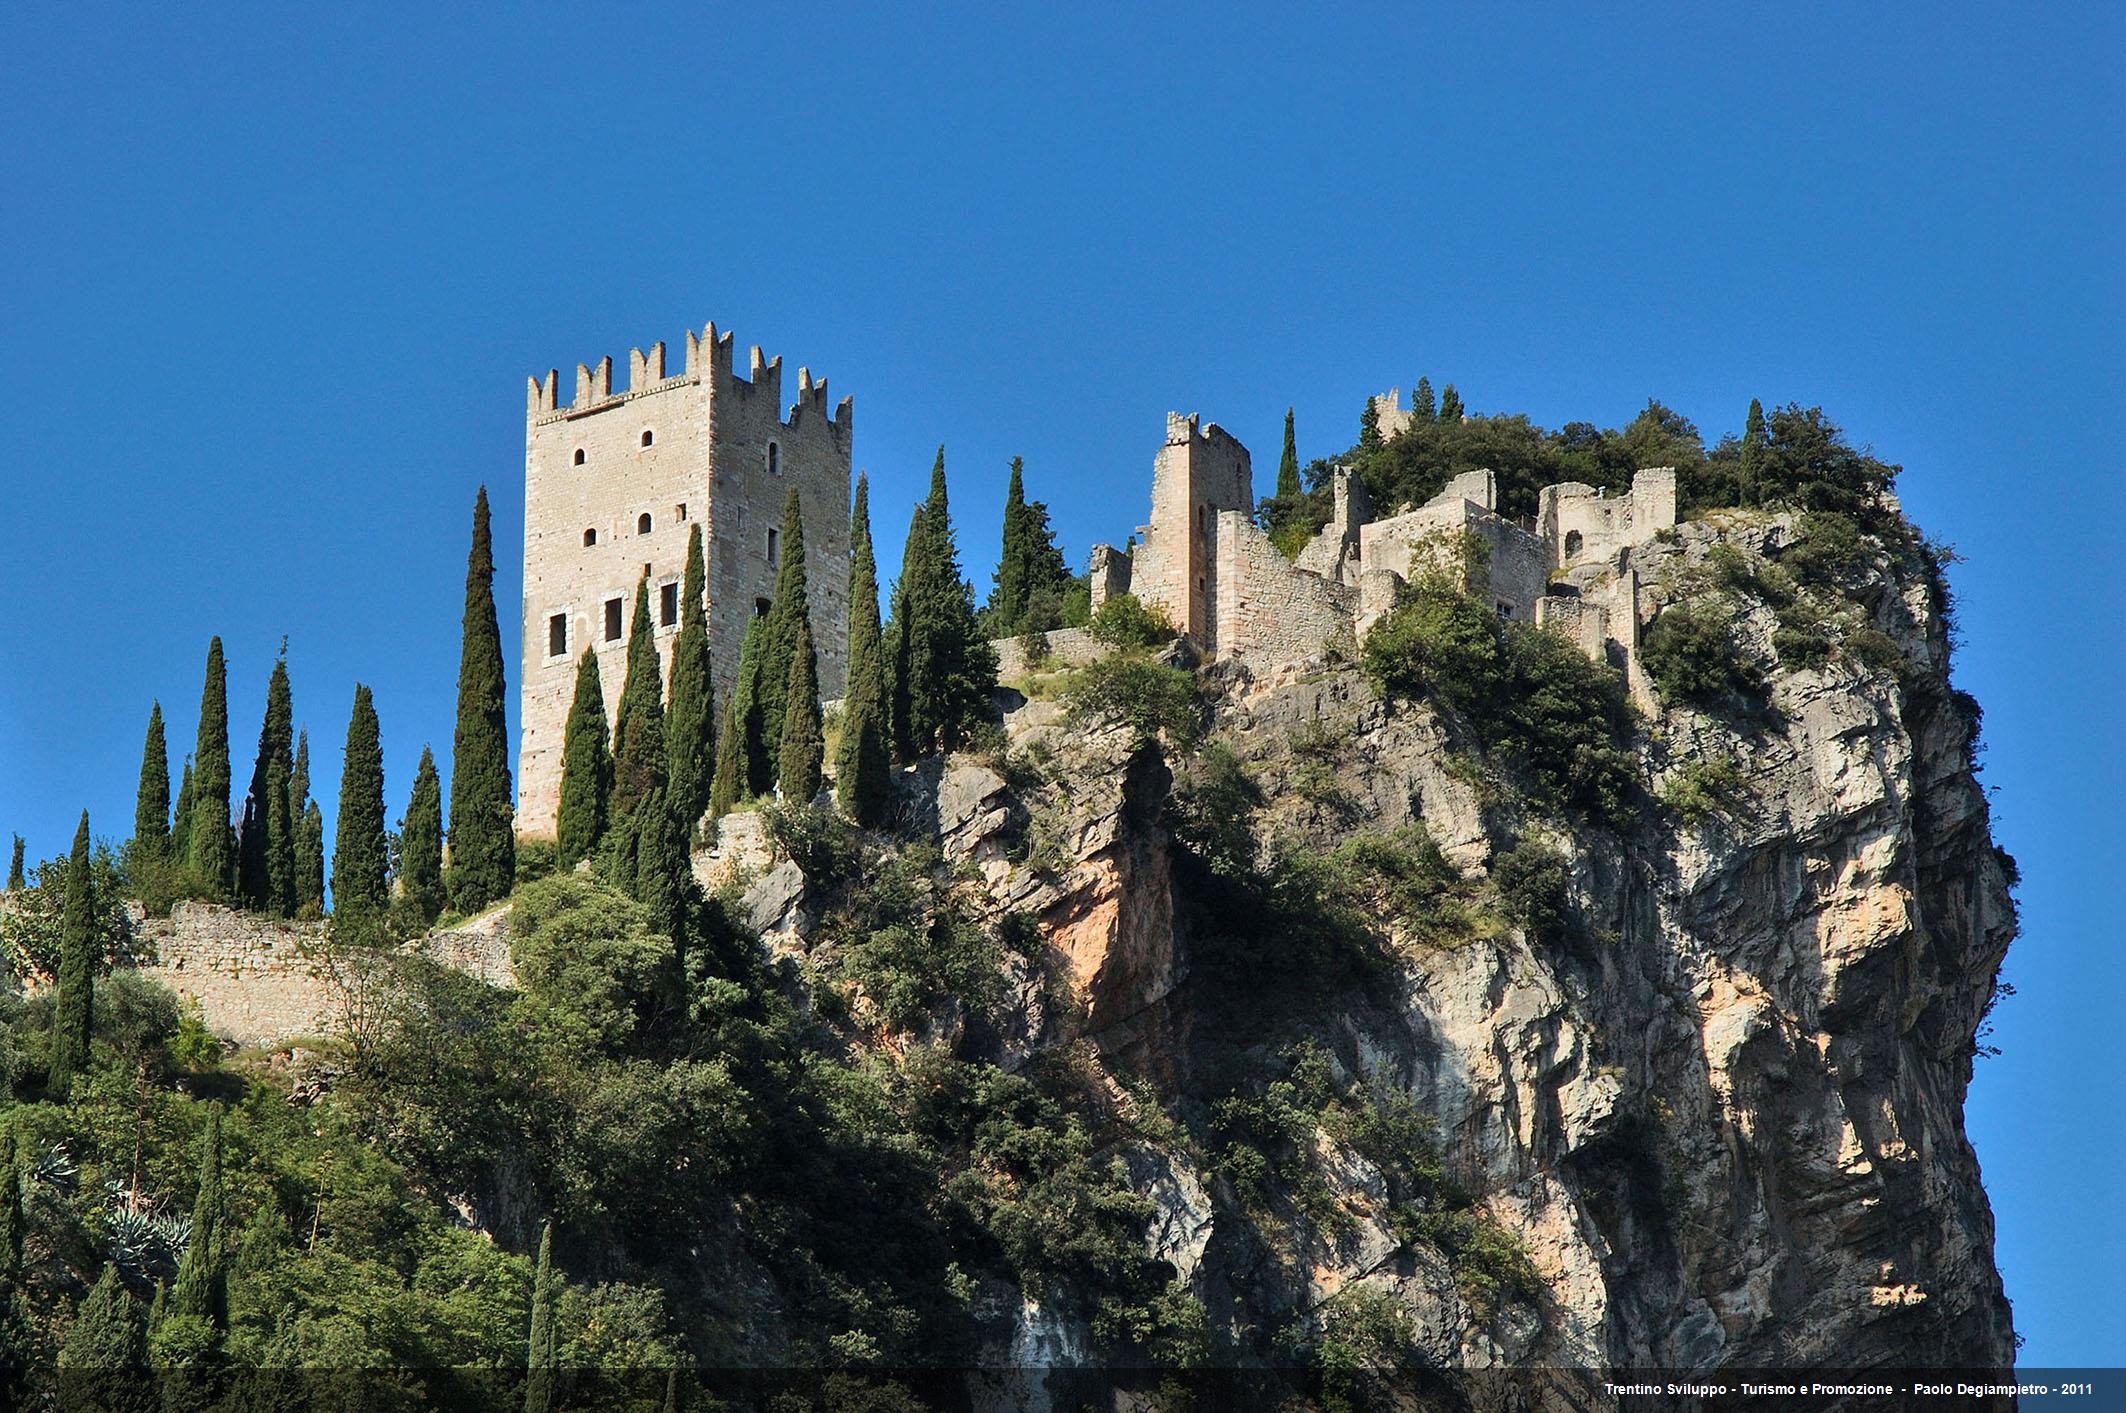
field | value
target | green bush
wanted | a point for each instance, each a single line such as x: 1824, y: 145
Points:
x: 1527, y: 694
x: 1828, y: 550
x: 1212, y: 811
x: 1149, y: 697
x: 1801, y: 647
x: 1691, y: 654
x: 1531, y: 878
x: 1705, y: 788
x: 1125, y: 622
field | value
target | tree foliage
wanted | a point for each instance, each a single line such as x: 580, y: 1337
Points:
x: 863, y: 765
x: 265, y: 839
x: 803, y: 745
x: 789, y: 620
x: 690, y: 727
x: 1032, y: 579
x: 483, y: 829
x: 586, y: 770
x: 360, y: 852
x: 210, y: 844
x: 421, y: 897
x: 943, y: 667
x: 151, y: 801
x: 79, y: 955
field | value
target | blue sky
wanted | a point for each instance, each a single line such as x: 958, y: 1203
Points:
x: 271, y: 280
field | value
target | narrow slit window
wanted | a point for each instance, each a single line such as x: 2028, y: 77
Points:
x: 590, y: 537
x: 774, y: 459
x: 774, y: 548
x: 648, y: 436
x: 612, y: 620
x: 668, y: 605
x: 579, y: 456
x: 679, y: 511
x: 557, y: 635
x: 642, y: 523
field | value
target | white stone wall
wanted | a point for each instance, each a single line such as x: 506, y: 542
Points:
x: 707, y: 462
x: 1267, y: 609
x: 1581, y: 525
x: 1200, y: 471
x: 1067, y: 647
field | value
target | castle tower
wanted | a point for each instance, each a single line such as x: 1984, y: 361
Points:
x: 1201, y: 470
x: 614, y: 483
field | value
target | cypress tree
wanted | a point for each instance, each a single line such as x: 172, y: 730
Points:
x: 421, y: 848
x: 739, y: 744
x: 310, y: 861
x: 789, y: 612
x: 804, y: 748
x: 12, y: 1229
x: 209, y: 842
x: 108, y: 1338
x: 1288, y: 487
x: 1421, y: 401
x: 539, y: 1352
x: 640, y: 760
x: 664, y: 874
x: 586, y: 769
x: 181, y: 817
x: 283, y: 892
x: 14, y: 867
x: 1450, y: 405
x: 359, y: 853
x: 202, y: 1287
x: 483, y: 829
x: 299, y: 773
x: 950, y: 669
x: 863, y: 760
x: 74, y: 1003
x: 690, y: 726
x: 899, y: 645
x: 256, y: 846
x: 1752, y: 452
x: 1007, y: 600
x: 1369, y: 427
x: 151, y: 802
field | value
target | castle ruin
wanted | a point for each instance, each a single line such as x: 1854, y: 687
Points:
x: 1205, y: 561
x: 614, y: 483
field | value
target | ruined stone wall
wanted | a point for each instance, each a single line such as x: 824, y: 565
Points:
x: 588, y: 472
x: 1390, y: 416
x: 1109, y: 573
x: 1333, y: 552
x: 1268, y: 610
x: 1581, y: 525
x: 1067, y: 647
x: 257, y: 980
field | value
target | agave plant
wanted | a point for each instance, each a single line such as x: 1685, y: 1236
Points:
x: 55, y: 1169
x: 142, y: 1241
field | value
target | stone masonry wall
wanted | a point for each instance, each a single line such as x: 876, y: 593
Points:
x: 1267, y: 610
x: 1067, y: 647
x: 1201, y: 470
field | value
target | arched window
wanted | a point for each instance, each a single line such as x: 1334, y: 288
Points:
x: 579, y: 456
x: 590, y: 537
x: 1573, y: 541
x: 648, y: 436
x: 774, y: 459
x: 642, y: 523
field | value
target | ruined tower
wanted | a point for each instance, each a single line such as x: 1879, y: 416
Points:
x: 614, y: 482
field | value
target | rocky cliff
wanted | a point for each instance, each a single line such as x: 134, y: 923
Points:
x: 1692, y: 1100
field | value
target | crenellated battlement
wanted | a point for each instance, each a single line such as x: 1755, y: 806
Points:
x: 710, y: 360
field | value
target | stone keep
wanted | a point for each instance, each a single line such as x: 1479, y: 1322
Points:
x: 614, y: 483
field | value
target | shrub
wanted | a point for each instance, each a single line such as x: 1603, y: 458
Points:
x: 1827, y: 551
x: 1212, y: 810
x: 1526, y: 694
x: 1801, y: 647
x: 1874, y: 650
x: 1531, y: 880
x: 1705, y: 787
x: 1150, y: 697
x: 1692, y: 656
x: 1125, y: 622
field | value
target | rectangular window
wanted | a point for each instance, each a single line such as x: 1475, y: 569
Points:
x: 774, y: 549
x: 612, y: 620
x: 557, y: 635
x: 668, y: 604
x: 679, y: 511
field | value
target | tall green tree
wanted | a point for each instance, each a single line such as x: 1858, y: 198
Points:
x: 690, y: 725
x: 1369, y: 427
x: 360, y: 855
x: 948, y: 668
x: 310, y: 862
x: 1752, y: 452
x: 640, y: 759
x: 863, y: 762
x: 260, y: 856
x: 105, y: 1351
x: 1450, y: 405
x: 1032, y: 578
x: 483, y: 823
x: 299, y: 773
x: 15, y: 879
x: 181, y: 816
x: 1421, y: 401
x: 804, y: 747
x: 898, y: 643
x: 1288, y: 487
x: 586, y: 770
x: 74, y: 1004
x: 739, y: 745
x: 789, y: 614
x: 151, y: 801
x: 421, y: 848
x: 210, y: 843
x: 12, y: 1228
x: 539, y: 1346
x: 202, y: 1286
